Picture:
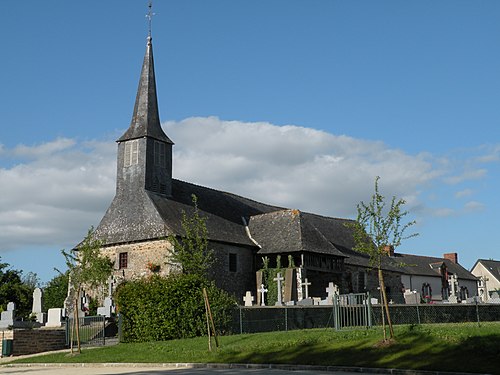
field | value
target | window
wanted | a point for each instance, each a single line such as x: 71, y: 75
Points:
x: 131, y: 156
x: 122, y: 260
x: 233, y: 262
x: 159, y: 154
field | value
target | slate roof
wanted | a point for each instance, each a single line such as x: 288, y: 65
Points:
x: 224, y: 211
x: 493, y: 266
x: 289, y: 231
x: 429, y: 266
x: 145, y: 118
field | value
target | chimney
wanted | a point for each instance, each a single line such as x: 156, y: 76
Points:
x: 389, y: 249
x: 451, y: 256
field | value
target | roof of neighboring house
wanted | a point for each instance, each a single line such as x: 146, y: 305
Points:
x: 429, y: 266
x: 493, y: 266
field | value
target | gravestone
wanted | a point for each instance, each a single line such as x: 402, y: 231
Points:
x: 411, y: 297
x: 332, y: 291
x: 306, y: 302
x: 299, y: 275
x: 258, y: 277
x: 289, y: 287
x: 36, y: 309
x: 108, y: 309
x: 262, y: 292
x: 7, y: 317
x: 55, y: 318
x: 279, y: 279
x: 248, y: 298
x: 306, y: 284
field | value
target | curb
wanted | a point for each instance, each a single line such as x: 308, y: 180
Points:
x: 243, y: 366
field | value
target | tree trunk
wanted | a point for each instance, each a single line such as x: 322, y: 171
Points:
x: 77, y: 322
x: 386, y: 304
x: 382, y: 309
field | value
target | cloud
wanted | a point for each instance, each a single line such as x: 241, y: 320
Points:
x: 56, y: 194
x: 463, y: 193
x: 54, y: 191
x: 473, y: 206
x: 293, y: 166
x: 470, y: 174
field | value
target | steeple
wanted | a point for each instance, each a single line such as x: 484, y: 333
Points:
x: 145, y: 119
x: 144, y: 150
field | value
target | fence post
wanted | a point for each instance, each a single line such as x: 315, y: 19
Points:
x: 418, y: 311
x: 241, y: 321
x: 369, y: 309
x: 286, y: 318
x: 477, y: 311
x: 336, y: 312
x: 103, y: 330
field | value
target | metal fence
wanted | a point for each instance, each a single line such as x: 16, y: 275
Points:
x: 355, y: 311
x: 92, y: 331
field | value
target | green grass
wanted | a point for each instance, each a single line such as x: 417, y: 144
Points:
x: 443, y: 347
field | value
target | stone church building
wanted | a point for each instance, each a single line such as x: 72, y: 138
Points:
x: 149, y: 203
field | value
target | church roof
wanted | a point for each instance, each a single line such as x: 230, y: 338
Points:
x: 288, y: 231
x: 429, y: 266
x: 145, y: 119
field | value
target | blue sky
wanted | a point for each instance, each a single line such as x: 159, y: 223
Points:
x: 296, y: 103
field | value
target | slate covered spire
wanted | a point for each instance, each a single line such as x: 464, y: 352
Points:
x: 145, y: 119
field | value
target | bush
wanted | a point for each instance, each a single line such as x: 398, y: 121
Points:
x: 159, y: 308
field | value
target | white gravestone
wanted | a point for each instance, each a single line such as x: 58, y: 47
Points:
x: 453, y: 298
x: 262, y: 292
x: 37, y: 306
x: 332, y: 291
x: 7, y: 317
x: 55, y: 317
x: 248, y: 299
x: 306, y: 284
x: 279, y: 279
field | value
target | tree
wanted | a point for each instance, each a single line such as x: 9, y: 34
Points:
x: 377, y: 228
x: 56, y: 291
x: 191, y: 252
x: 12, y: 289
x: 87, y: 268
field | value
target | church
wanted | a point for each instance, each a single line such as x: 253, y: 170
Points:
x: 149, y: 204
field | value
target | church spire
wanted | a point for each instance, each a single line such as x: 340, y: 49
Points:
x: 145, y: 119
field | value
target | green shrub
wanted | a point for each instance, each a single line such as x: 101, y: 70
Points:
x: 159, y: 308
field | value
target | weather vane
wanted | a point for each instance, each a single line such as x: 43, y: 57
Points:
x: 149, y: 16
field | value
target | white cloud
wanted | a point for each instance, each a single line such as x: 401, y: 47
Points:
x: 469, y: 174
x: 56, y: 190
x: 473, y: 206
x: 463, y: 193
x: 50, y: 198
x: 293, y: 166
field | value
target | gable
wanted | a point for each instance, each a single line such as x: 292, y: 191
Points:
x: 489, y: 265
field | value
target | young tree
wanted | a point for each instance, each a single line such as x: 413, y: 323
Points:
x: 191, y: 252
x: 87, y: 268
x: 377, y: 228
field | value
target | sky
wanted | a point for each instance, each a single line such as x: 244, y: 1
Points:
x: 299, y: 104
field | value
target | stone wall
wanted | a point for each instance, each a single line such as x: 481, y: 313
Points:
x: 30, y: 341
x: 139, y: 256
x: 238, y: 281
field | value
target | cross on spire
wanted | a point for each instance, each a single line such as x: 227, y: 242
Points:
x: 149, y: 16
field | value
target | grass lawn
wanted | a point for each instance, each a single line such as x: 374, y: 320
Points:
x: 445, y: 347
